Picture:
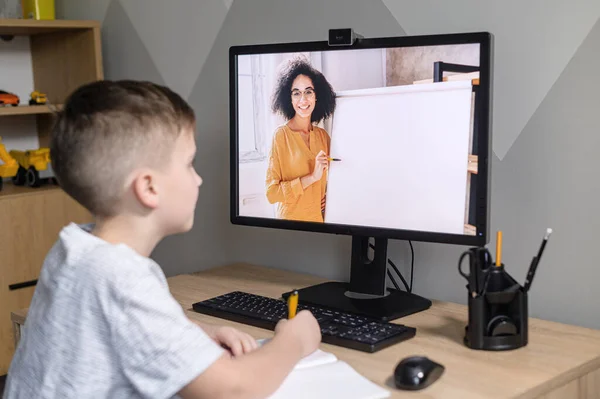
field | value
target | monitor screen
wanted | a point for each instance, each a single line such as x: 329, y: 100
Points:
x: 386, y: 137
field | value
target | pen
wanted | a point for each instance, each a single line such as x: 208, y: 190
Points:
x: 499, y: 248
x: 292, y: 304
x: 333, y: 159
x: 536, y: 261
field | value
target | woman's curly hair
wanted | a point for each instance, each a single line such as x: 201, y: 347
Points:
x: 282, y: 97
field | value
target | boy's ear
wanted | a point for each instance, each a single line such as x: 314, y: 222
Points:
x: 145, y: 188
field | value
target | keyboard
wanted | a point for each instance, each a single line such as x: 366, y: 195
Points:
x: 337, y: 328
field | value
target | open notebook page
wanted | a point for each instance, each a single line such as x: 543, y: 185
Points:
x: 322, y: 375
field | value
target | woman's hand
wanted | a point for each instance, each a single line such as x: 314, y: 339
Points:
x: 321, y: 164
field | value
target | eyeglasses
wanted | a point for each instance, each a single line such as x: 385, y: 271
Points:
x: 308, y: 93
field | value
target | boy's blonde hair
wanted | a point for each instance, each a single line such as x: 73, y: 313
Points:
x: 108, y: 128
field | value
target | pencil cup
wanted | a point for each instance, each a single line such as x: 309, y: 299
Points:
x: 498, y: 314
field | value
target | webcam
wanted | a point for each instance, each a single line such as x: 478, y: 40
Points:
x: 343, y: 37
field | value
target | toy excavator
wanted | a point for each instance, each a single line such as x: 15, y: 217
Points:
x: 9, y: 166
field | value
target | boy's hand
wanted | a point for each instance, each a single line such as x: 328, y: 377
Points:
x: 237, y: 342
x: 305, y: 328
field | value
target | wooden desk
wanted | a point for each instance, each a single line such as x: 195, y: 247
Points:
x: 560, y: 361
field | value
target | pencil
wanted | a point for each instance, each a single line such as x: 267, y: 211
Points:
x: 499, y: 248
x: 292, y: 304
x: 333, y: 159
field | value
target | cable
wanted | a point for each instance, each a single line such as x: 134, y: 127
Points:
x: 397, y: 272
x: 412, y: 264
x: 399, y: 275
x: 393, y: 281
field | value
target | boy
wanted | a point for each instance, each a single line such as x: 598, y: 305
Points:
x: 102, y: 323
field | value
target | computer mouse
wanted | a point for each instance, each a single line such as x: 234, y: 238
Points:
x: 417, y: 372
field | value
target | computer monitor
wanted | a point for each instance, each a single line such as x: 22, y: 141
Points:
x: 385, y: 138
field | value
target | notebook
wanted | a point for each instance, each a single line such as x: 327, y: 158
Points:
x: 322, y: 375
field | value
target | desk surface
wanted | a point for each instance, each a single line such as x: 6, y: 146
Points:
x: 560, y: 361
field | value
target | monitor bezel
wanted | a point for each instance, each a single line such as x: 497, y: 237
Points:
x: 484, y: 39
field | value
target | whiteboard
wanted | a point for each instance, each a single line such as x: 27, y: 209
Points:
x: 404, y: 152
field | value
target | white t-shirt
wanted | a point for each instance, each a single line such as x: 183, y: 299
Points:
x: 103, y: 324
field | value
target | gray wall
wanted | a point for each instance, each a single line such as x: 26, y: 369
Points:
x: 546, y: 129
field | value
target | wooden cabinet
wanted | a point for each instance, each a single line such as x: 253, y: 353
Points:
x: 29, y: 225
x: 64, y: 55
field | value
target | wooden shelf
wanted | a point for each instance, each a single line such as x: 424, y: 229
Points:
x: 29, y: 109
x: 28, y: 27
x: 473, y: 165
x: 11, y: 191
x: 65, y: 54
x: 470, y: 229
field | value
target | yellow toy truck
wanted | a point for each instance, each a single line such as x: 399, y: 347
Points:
x: 9, y: 166
x: 38, y: 98
x: 34, y: 167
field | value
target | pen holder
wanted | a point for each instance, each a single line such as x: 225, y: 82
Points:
x: 498, y: 315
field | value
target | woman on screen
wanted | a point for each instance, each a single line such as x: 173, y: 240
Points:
x: 298, y: 159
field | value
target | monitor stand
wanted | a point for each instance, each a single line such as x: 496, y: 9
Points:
x: 366, y: 293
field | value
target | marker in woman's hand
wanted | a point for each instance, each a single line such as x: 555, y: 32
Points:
x: 333, y: 159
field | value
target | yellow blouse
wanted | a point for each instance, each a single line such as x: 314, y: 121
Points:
x: 289, y: 160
